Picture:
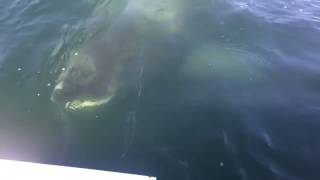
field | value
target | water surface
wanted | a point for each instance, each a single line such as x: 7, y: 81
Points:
x: 235, y: 95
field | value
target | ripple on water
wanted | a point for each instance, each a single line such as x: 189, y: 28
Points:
x: 283, y: 12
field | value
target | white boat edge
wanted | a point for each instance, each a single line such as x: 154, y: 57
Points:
x: 17, y: 170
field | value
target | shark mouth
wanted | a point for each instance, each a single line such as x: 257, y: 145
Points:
x: 77, y: 104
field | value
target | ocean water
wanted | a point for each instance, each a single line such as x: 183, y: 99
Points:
x: 234, y: 94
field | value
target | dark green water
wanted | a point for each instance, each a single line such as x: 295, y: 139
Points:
x: 235, y: 95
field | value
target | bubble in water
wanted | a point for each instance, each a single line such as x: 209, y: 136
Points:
x: 76, y: 54
x: 19, y: 69
x: 49, y: 84
x: 63, y: 69
x: 38, y: 94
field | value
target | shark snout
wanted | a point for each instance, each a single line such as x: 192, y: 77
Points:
x: 57, y: 93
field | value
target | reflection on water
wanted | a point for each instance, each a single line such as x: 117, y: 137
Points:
x: 210, y: 89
